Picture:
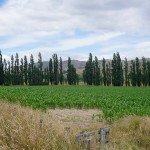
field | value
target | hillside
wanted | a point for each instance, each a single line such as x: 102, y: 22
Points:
x: 80, y: 65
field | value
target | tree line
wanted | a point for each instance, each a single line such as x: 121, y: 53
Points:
x: 22, y: 72
x: 117, y: 72
x: 113, y: 73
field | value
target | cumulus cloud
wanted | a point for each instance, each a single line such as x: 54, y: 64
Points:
x: 26, y: 16
x: 25, y: 22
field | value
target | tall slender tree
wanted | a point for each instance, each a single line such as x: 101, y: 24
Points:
x: 148, y: 73
x: 96, y: 72
x: 117, y: 71
x: 1, y: 70
x: 56, y: 73
x: 16, y: 70
x: 89, y: 70
x: 72, y: 76
x: 21, y: 72
x: 9, y: 73
x: 31, y: 70
x: 29, y: 74
x: 84, y: 76
x: 138, y: 72
x: 40, y: 72
x: 126, y: 71
x: 108, y: 74
x: 12, y: 70
x: 51, y: 71
x: 144, y: 72
x: 5, y: 73
x: 61, y: 77
x: 25, y: 70
x: 114, y: 70
x: 69, y: 73
x: 104, y: 71
x: 133, y: 73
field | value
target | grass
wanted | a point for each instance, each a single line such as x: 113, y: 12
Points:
x: 115, y: 102
x: 24, y: 128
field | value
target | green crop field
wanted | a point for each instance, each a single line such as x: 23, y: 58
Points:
x: 115, y: 102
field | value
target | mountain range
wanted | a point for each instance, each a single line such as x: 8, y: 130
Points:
x: 80, y: 65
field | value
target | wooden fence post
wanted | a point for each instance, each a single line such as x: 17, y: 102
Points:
x: 84, y: 138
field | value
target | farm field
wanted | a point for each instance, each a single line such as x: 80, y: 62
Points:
x: 115, y: 102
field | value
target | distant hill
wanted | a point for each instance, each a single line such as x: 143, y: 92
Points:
x: 80, y: 65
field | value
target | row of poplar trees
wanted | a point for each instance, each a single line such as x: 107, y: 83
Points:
x: 117, y: 72
x: 21, y: 72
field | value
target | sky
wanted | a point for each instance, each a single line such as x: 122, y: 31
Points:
x: 75, y: 28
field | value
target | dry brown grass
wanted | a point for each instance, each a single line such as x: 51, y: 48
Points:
x: 131, y: 133
x: 24, y: 128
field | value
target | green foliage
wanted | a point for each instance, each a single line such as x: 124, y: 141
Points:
x: 117, y: 71
x: 72, y: 76
x: 56, y: 72
x: 115, y: 102
x: 1, y: 70
x: 104, y: 71
x: 61, y: 77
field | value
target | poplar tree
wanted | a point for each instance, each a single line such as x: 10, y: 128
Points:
x: 89, y: 70
x: 1, y: 70
x: 29, y: 74
x: 126, y: 71
x: 72, y: 76
x: 12, y: 70
x: 31, y: 70
x: 9, y: 73
x: 138, y: 72
x: 114, y: 72
x: 61, y: 77
x: 40, y: 72
x: 84, y: 76
x: 21, y: 72
x: 144, y: 72
x: 133, y: 73
x: 5, y: 72
x: 16, y: 70
x: 148, y: 73
x: 69, y: 72
x: 51, y: 71
x: 108, y: 74
x: 117, y: 71
x: 96, y: 72
x: 25, y: 70
x: 104, y: 71
x: 56, y: 73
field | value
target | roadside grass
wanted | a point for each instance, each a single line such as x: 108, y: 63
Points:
x: 24, y: 128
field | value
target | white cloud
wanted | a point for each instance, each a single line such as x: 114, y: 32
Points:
x: 19, y: 17
x: 80, y: 42
x: 25, y: 22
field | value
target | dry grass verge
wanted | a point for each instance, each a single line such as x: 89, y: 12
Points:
x: 24, y: 128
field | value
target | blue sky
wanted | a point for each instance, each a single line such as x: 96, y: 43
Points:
x: 74, y: 28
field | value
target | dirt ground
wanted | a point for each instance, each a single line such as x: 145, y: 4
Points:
x: 76, y: 118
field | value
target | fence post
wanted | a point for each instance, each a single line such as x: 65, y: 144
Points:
x: 82, y: 140
x: 104, y: 137
x: 89, y: 145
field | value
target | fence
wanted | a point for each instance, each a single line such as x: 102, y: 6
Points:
x: 85, y: 141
